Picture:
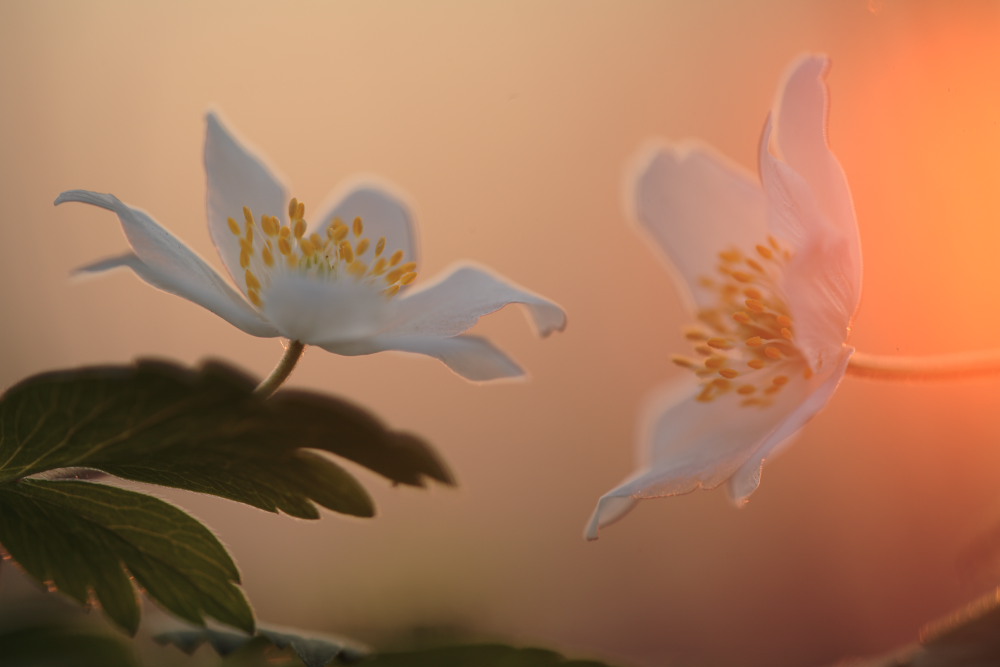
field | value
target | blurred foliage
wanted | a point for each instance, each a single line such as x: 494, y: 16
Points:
x: 77, y: 537
x: 201, y: 430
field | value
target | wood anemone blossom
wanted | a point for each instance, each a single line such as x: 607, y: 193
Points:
x: 345, y: 283
x: 772, y: 270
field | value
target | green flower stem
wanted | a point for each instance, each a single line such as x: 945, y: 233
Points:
x: 955, y: 366
x: 282, y: 370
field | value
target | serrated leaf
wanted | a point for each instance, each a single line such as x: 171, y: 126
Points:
x: 480, y: 655
x: 204, y: 430
x: 313, y: 649
x: 82, y: 536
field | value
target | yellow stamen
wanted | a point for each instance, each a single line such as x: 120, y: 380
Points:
x: 234, y: 227
x: 715, y: 362
x: 396, y: 258
x: 340, y: 231
x: 284, y: 245
x: 359, y: 227
x: 720, y: 343
x: 251, y: 280
x: 248, y: 216
x: 362, y: 246
x: 270, y: 225
x: 380, y: 246
x: 299, y: 228
x: 266, y: 255
x: 346, y: 251
x: 408, y: 278
x: 255, y: 298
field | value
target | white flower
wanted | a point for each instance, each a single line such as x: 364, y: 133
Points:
x: 773, y: 272
x: 343, y: 284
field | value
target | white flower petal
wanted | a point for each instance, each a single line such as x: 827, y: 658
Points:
x: 609, y: 510
x: 745, y: 480
x: 690, y: 444
x: 695, y: 204
x: 802, y: 125
x: 472, y: 357
x: 162, y: 260
x: 456, y: 302
x: 383, y: 214
x: 321, y: 311
x: 236, y: 178
x: 821, y: 282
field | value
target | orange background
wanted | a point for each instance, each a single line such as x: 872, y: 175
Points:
x: 509, y: 126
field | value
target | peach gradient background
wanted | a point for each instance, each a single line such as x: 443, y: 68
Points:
x: 509, y: 126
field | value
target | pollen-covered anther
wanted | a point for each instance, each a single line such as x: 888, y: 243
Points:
x: 362, y: 247
x: 716, y: 362
x: 720, y: 343
x: 755, y: 305
x: 729, y: 373
x: 270, y: 225
x: 765, y: 252
x: 685, y: 362
x: 786, y: 333
x: 380, y: 246
x: 771, y: 352
x: 234, y: 226
x: 346, y: 251
x: 742, y: 317
x: 704, y: 349
x: 358, y: 226
x: 754, y: 341
x: 251, y: 280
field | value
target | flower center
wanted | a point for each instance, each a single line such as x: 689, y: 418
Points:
x: 268, y: 245
x: 745, y: 343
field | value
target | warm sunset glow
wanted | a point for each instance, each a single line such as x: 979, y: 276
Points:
x: 511, y: 128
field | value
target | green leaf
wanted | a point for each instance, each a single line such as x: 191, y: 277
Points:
x: 54, y: 645
x: 480, y: 655
x: 204, y: 430
x: 81, y: 536
x: 314, y: 650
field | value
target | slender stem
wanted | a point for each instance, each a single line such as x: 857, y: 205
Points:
x: 282, y: 370
x: 935, y: 367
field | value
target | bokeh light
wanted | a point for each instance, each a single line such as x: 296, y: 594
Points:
x: 510, y: 127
